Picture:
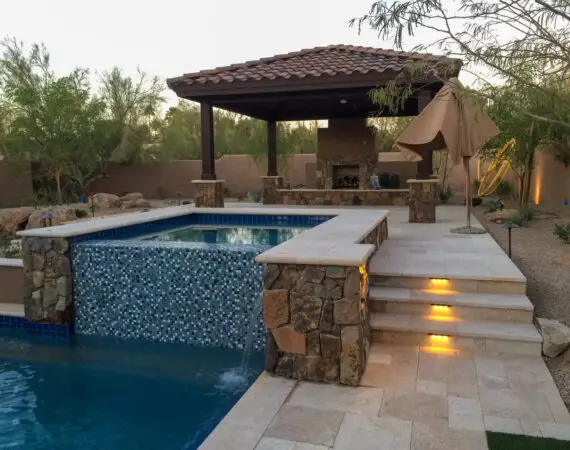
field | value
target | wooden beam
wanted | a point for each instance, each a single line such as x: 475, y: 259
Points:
x: 207, y: 129
x: 271, y: 148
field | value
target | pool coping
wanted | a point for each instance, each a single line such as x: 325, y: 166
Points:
x: 335, y: 242
x: 11, y: 262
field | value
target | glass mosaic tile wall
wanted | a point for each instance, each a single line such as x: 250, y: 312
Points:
x: 167, y: 291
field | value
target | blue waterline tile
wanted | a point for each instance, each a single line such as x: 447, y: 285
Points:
x: 34, y: 327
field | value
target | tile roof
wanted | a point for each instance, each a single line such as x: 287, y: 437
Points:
x: 314, y: 62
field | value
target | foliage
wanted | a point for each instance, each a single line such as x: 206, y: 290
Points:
x: 492, y: 205
x: 522, y: 218
x: 445, y: 194
x: 387, y: 131
x: 562, y: 232
x: 8, y: 249
x: 81, y: 213
x: 505, y: 189
x: 61, y: 124
x: 522, y: 41
x: 233, y: 135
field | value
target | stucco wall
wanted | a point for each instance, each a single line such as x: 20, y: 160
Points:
x: 551, y: 183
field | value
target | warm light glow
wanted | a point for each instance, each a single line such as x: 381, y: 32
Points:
x: 440, y: 350
x: 439, y: 282
x: 439, y: 291
x: 441, y: 318
x: 438, y: 338
x: 441, y: 308
x: 363, y: 281
x: 537, y: 185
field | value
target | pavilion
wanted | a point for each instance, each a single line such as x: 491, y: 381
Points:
x: 331, y: 83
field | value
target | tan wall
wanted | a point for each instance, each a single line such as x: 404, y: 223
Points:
x: 15, y: 183
x: 406, y: 170
x: 11, y: 284
x: 551, y: 183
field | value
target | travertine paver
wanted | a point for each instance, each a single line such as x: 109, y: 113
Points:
x: 372, y: 433
x: 448, y: 403
x: 311, y: 425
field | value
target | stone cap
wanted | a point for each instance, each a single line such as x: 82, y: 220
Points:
x: 332, y: 243
x: 208, y: 181
x: 430, y: 180
x: 343, y: 190
x: 11, y: 262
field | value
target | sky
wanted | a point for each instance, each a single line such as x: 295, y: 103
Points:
x: 170, y: 37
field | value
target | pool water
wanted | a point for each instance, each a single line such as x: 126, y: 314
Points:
x: 115, y: 395
x: 229, y: 235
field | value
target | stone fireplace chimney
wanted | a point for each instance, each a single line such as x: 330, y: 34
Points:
x: 346, y: 156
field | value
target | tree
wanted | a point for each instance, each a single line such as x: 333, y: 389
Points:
x: 52, y: 119
x: 525, y: 41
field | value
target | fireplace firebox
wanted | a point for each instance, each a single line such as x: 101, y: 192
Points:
x: 345, y: 176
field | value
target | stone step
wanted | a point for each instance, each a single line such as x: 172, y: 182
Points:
x: 465, y: 305
x: 456, y: 283
x: 489, y: 336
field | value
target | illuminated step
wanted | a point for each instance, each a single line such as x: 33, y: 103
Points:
x: 465, y: 284
x: 466, y: 305
x: 500, y: 337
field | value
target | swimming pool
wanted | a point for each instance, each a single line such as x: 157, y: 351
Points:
x: 115, y: 395
x: 228, y: 235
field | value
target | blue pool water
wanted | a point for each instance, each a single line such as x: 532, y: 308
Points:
x: 230, y: 235
x: 114, y: 395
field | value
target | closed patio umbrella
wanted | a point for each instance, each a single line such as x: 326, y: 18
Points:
x: 453, y: 121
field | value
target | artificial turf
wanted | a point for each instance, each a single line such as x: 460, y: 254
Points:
x: 503, y: 441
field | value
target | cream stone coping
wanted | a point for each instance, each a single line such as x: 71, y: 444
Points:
x: 12, y: 309
x: 350, y: 191
x: 208, y: 181
x: 11, y: 262
x: 431, y: 180
x: 334, y: 242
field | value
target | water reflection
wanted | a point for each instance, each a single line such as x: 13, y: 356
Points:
x: 236, y: 236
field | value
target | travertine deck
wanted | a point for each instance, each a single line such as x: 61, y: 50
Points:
x: 411, y: 398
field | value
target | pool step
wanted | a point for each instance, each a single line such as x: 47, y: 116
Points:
x: 432, y: 331
x: 488, y: 286
x: 448, y: 303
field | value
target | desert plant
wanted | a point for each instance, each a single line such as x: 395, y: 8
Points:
x: 445, y: 194
x: 254, y: 196
x: 476, y: 184
x: 492, y: 205
x: 80, y: 213
x: 505, y: 189
x: 522, y: 218
x: 562, y: 232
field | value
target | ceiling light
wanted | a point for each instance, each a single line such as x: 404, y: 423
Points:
x: 343, y: 101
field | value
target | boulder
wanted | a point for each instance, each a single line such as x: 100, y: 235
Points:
x: 15, y: 219
x: 59, y: 215
x: 142, y: 203
x: 500, y: 216
x: 132, y: 196
x: 556, y: 337
x: 105, y: 201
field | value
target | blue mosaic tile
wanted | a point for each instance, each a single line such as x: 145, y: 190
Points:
x: 158, y: 226
x: 168, y: 291
x: 46, y: 329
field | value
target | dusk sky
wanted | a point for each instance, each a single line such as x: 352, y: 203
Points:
x: 171, y: 37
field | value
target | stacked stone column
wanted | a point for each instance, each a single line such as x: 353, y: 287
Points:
x: 271, y: 185
x: 209, y: 193
x: 48, y: 293
x: 423, y: 200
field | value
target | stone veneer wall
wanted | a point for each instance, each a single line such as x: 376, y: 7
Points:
x: 168, y: 292
x: 344, y: 197
x: 47, y: 280
x: 318, y: 319
x: 423, y: 200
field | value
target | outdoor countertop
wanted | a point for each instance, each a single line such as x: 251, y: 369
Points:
x: 11, y: 262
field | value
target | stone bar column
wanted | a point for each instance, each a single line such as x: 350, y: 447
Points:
x: 209, y: 193
x: 423, y: 200
x: 270, y: 186
x: 48, y: 283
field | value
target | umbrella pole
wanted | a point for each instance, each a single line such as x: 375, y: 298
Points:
x: 467, y: 190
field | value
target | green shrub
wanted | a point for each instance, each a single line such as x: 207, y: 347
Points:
x: 445, y: 194
x: 80, y: 213
x: 562, y: 232
x: 476, y: 184
x: 522, y: 218
x: 505, y: 189
x: 492, y: 205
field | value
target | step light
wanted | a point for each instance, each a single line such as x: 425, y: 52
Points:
x: 439, y: 282
x: 441, y: 308
x: 438, y: 338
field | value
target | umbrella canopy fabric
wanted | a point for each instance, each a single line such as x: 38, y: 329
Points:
x: 451, y: 120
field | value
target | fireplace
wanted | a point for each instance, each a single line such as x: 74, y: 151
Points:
x: 345, y: 176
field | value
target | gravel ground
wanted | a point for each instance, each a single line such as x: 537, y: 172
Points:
x: 545, y: 261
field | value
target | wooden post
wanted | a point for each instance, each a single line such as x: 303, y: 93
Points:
x: 207, y: 129
x: 271, y: 148
x: 425, y: 166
